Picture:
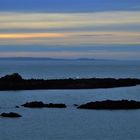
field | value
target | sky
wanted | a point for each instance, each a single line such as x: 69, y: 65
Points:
x: 102, y: 29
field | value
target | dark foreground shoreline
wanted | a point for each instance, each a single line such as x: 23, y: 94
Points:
x: 16, y: 82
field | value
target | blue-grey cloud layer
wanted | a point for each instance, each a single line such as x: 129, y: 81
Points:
x: 77, y: 48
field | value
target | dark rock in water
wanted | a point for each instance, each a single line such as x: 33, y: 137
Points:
x: 75, y: 104
x: 51, y: 105
x: 34, y: 104
x: 10, y: 115
x: 108, y: 104
x: 39, y: 104
x: 16, y: 106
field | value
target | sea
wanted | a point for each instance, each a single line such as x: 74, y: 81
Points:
x: 70, y: 123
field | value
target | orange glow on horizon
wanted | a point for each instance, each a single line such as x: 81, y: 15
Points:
x: 30, y: 35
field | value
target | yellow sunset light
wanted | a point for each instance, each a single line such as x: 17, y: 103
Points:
x: 30, y: 35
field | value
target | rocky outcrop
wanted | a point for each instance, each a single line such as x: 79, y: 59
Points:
x: 12, y: 77
x: 10, y: 115
x: 34, y: 104
x: 17, y: 106
x: 39, y: 104
x: 109, y: 104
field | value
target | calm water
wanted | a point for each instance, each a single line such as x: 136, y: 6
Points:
x: 70, y: 123
x: 65, y: 69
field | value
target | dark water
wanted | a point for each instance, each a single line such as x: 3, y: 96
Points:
x: 70, y: 123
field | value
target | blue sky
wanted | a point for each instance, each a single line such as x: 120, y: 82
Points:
x: 69, y: 5
x: 103, y: 29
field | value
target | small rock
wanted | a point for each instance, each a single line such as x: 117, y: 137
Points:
x: 10, y: 115
x: 16, y: 106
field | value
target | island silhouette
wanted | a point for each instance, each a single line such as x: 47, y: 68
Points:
x: 16, y: 82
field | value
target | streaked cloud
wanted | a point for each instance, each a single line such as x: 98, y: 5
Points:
x: 74, y: 38
x: 72, y: 29
x: 68, y: 23
x: 67, y: 20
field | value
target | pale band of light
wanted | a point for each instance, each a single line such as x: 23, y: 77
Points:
x: 30, y: 35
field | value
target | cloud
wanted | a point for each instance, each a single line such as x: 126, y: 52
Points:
x: 74, y: 38
x: 71, y: 33
x: 66, y: 20
x: 68, y: 25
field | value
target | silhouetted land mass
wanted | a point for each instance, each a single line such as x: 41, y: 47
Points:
x: 39, y: 104
x: 16, y: 82
x: 112, y: 105
x: 10, y: 115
